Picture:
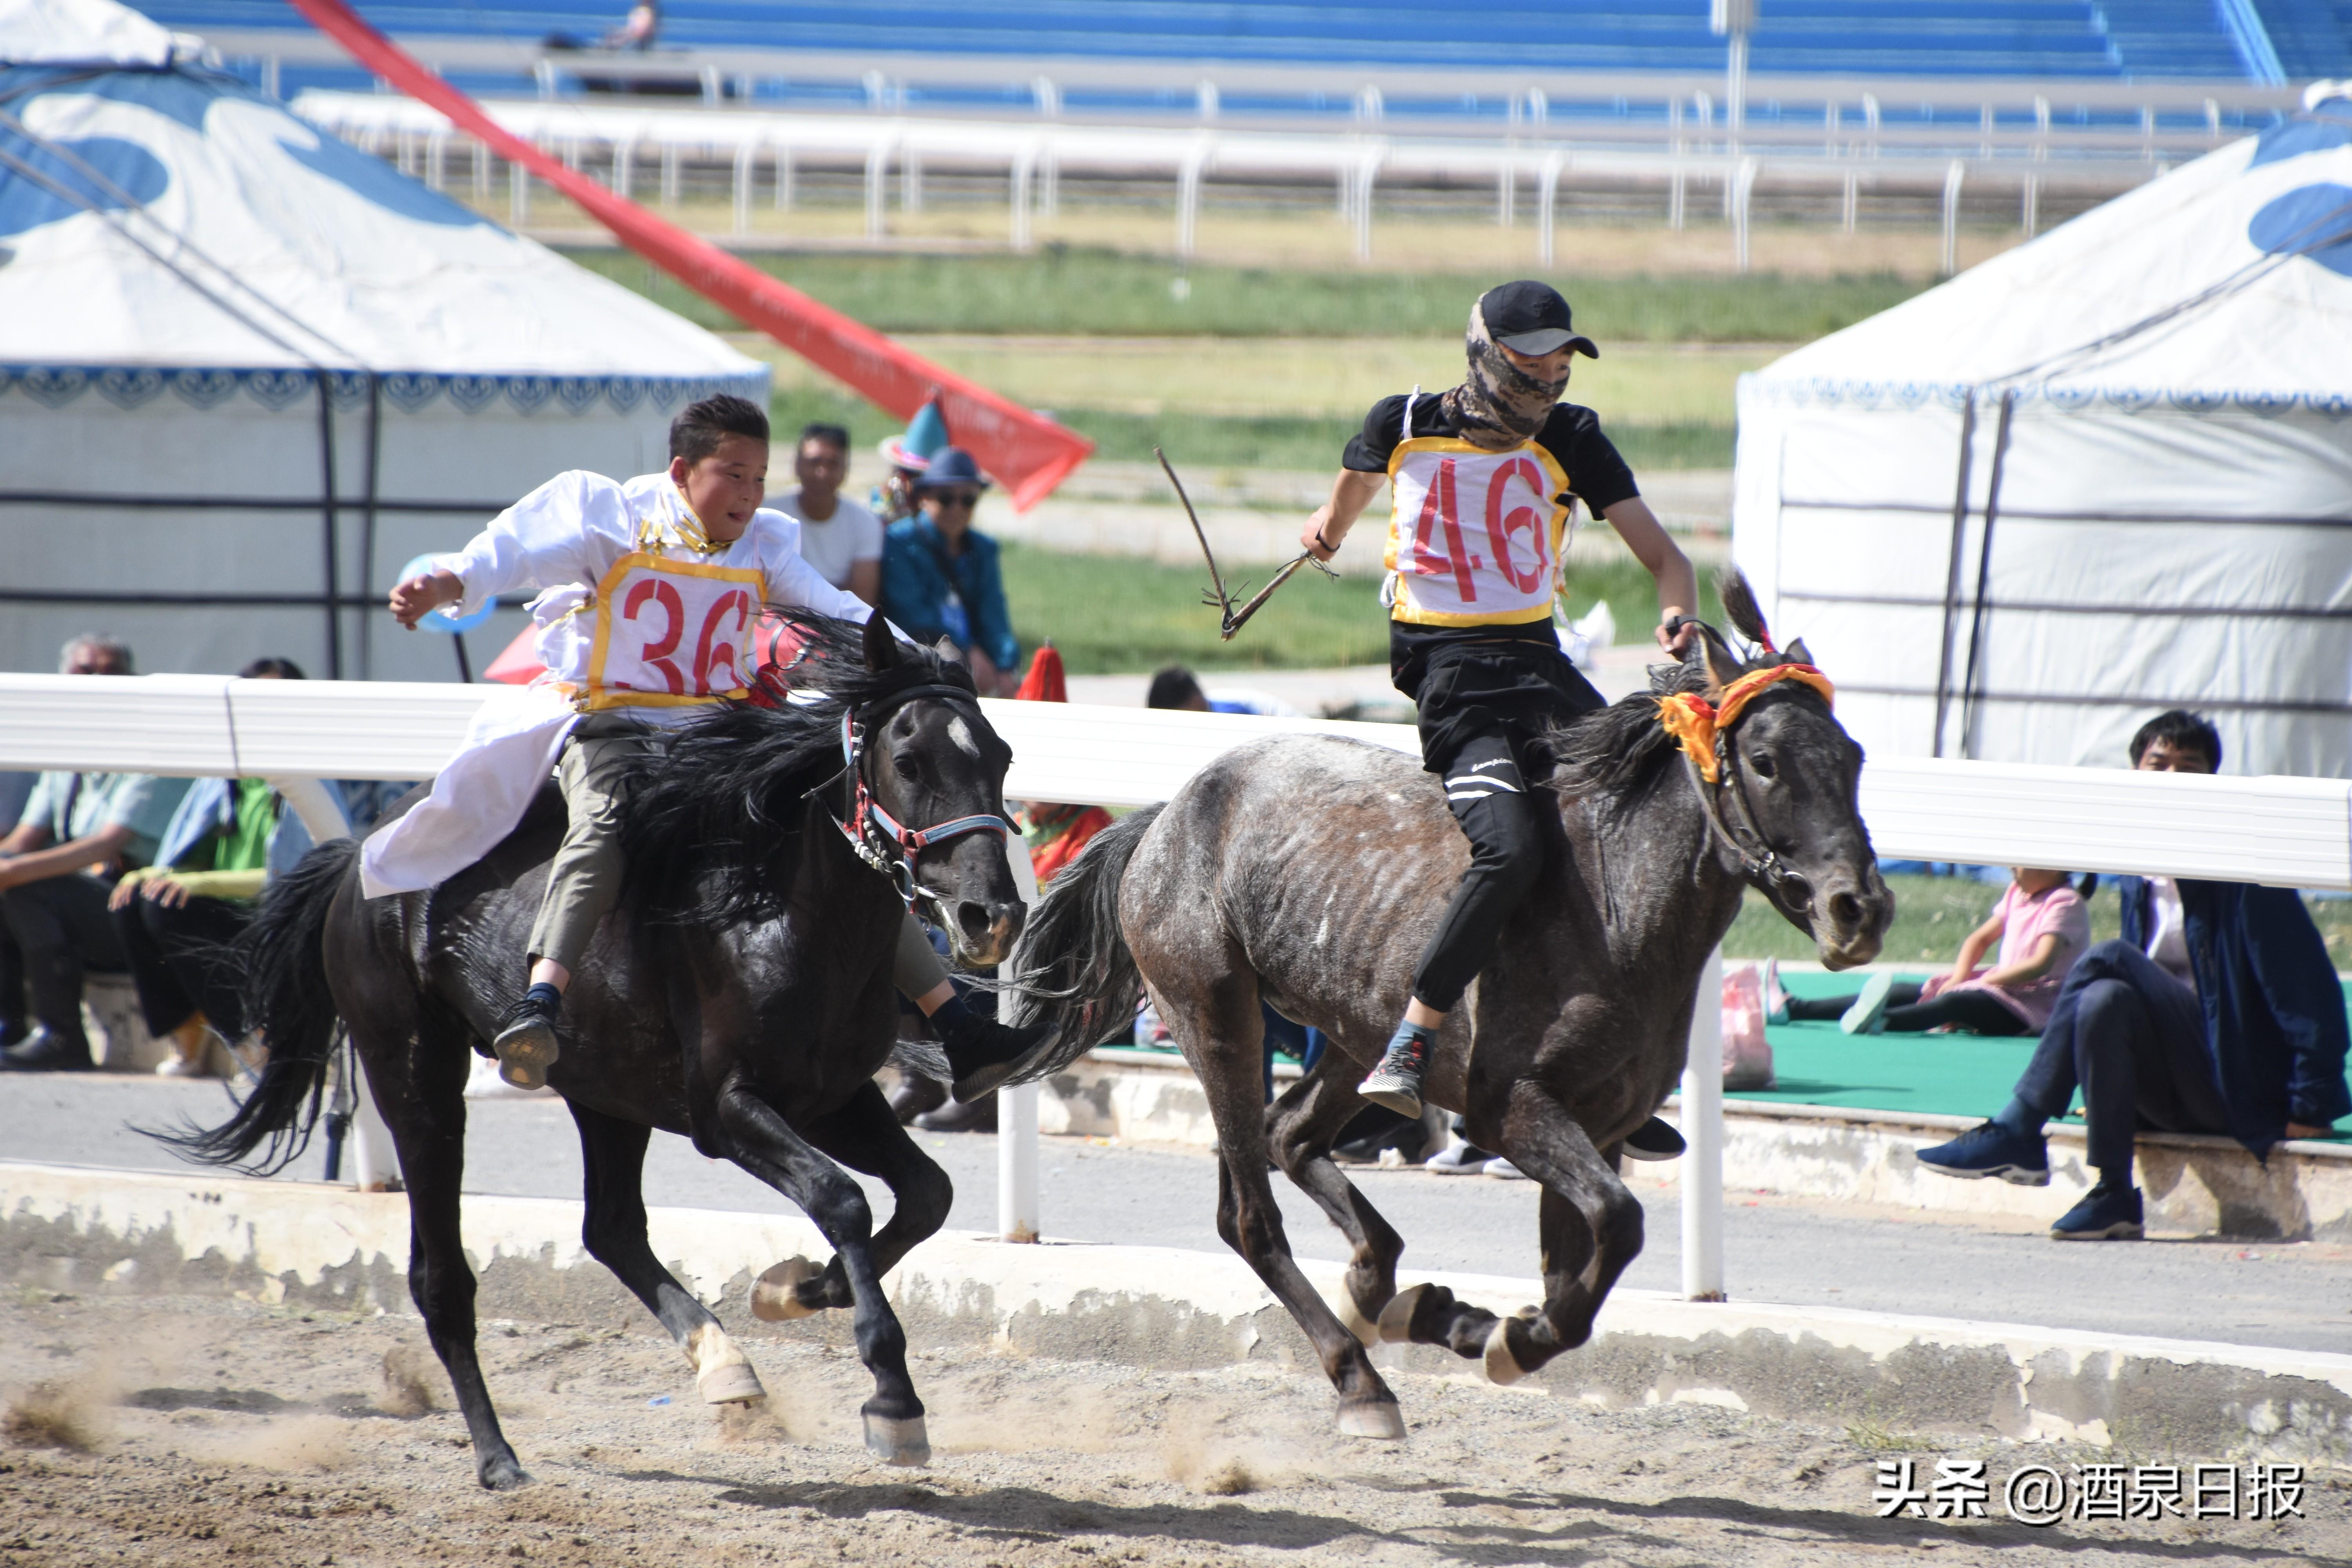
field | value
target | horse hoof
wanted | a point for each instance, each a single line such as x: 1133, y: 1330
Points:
x: 1502, y: 1367
x: 735, y: 1384
x: 1396, y: 1318
x: 1366, y: 1329
x: 502, y: 1473
x: 905, y: 1442
x: 1378, y: 1418
x: 775, y: 1298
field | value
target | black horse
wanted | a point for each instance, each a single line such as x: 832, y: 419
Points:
x: 1307, y: 873
x: 740, y: 995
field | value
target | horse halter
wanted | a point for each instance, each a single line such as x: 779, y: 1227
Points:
x: 880, y: 839
x: 1703, y: 732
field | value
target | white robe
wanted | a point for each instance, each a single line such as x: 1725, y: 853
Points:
x: 562, y: 537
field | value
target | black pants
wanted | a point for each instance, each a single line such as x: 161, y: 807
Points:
x: 2133, y: 1038
x: 1977, y: 1012
x: 61, y: 928
x: 179, y: 963
x: 1490, y: 800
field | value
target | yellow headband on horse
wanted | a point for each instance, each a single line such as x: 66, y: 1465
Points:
x: 1695, y: 722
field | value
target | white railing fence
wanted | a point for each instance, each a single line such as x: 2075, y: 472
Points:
x: 2283, y: 832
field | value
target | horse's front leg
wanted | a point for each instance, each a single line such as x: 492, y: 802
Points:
x: 865, y: 1136
x: 744, y: 1128
x: 1299, y: 1128
x: 1592, y: 1229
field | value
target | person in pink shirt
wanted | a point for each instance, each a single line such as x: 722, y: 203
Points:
x: 2043, y: 925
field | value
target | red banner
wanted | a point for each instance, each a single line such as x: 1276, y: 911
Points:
x: 1029, y: 453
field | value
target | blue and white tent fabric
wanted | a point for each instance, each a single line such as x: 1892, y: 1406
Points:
x: 211, y: 311
x: 2106, y: 473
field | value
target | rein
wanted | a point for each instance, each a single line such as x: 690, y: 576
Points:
x: 879, y: 839
x: 1704, y: 730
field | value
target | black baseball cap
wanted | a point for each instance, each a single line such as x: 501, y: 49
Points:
x: 1531, y: 318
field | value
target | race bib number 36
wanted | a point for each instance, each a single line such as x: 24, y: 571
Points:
x: 671, y: 632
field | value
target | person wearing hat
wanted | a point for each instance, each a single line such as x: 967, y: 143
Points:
x: 909, y: 455
x: 1485, y: 481
x: 940, y: 576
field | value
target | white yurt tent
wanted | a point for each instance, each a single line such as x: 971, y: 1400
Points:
x: 2106, y: 473
x: 246, y: 372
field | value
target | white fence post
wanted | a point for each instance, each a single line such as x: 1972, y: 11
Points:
x: 1953, y: 177
x: 1702, y: 1162
x: 1016, y: 1115
x: 376, y: 1165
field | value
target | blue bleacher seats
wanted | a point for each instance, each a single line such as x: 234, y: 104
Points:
x: 2312, y: 37
x: 2109, y: 40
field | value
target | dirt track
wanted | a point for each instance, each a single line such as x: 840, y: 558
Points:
x: 201, y: 1431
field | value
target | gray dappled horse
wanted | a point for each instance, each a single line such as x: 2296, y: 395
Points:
x: 740, y: 995
x: 1308, y: 872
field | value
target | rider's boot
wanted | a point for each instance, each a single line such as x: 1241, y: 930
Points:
x: 1654, y: 1140
x: 526, y: 1042
x: 1396, y: 1082
x: 982, y: 1051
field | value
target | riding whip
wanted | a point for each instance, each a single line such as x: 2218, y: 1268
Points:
x: 1233, y: 619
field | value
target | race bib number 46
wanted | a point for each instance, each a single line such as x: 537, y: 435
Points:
x: 671, y: 632
x: 1475, y: 535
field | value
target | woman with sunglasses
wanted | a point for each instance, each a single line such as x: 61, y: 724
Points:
x: 941, y: 577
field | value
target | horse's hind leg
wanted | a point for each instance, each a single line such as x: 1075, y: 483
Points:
x: 613, y: 1153
x: 744, y: 1128
x: 420, y: 1086
x: 1218, y: 1023
x: 1300, y: 1129
x: 865, y: 1136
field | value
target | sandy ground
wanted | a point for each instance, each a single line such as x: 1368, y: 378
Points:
x: 170, y: 1431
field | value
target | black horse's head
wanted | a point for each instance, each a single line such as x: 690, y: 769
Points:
x: 1786, y: 792
x: 931, y: 761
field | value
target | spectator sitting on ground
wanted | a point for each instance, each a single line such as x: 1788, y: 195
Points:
x: 2218, y: 1011
x: 941, y: 577
x: 1177, y: 687
x: 838, y: 537
x: 57, y: 866
x: 2043, y: 925
x: 173, y: 917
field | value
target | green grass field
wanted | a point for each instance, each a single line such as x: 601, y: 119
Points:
x: 1106, y: 292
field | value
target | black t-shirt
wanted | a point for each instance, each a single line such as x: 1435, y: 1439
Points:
x: 1597, y: 476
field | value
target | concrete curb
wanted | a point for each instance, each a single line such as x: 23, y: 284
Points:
x: 330, y: 1248
x: 2193, y: 1185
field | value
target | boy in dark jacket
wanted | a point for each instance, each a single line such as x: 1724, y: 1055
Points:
x: 2218, y: 1011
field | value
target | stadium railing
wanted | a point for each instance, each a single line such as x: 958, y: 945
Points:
x: 2284, y: 832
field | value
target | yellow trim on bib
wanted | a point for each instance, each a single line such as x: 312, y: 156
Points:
x: 1411, y: 613
x: 598, y: 695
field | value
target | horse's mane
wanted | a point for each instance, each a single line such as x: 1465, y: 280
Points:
x: 1618, y: 753
x: 712, y: 824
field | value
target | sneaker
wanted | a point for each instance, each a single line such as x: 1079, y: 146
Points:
x: 1395, y: 1084
x: 2106, y: 1214
x: 48, y: 1051
x: 1776, y: 996
x: 526, y: 1045
x: 1503, y: 1170
x: 1654, y: 1140
x: 1460, y: 1159
x: 1989, y: 1149
x: 1868, y: 1013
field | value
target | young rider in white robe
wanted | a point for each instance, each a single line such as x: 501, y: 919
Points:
x: 651, y: 592
x: 1484, y: 481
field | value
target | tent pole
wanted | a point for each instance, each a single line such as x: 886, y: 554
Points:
x: 1952, y: 576
x: 1972, y: 671
x: 367, y: 526
x: 326, y: 517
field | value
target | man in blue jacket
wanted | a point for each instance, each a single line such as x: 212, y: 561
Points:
x: 2218, y: 1011
x: 940, y: 576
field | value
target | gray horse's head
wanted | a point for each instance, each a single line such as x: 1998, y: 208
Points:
x: 931, y: 763
x: 1786, y: 794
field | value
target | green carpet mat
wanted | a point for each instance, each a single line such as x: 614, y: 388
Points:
x: 1945, y: 1075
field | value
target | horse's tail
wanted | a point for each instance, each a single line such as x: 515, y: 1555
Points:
x: 281, y: 957
x: 1071, y: 968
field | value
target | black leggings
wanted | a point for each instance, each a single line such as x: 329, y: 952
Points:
x: 1977, y: 1012
x: 1490, y: 800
